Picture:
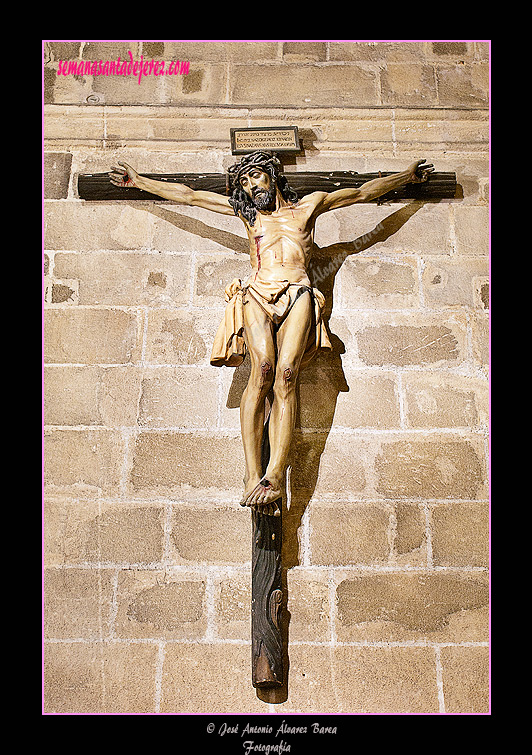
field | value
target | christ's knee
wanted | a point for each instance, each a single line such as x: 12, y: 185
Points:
x: 285, y: 380
x: 261, y: 377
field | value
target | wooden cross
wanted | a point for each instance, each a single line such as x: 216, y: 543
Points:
x: 97, y: 187
x: 267, y: 594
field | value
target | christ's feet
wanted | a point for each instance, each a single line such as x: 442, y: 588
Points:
x: 263, y: 497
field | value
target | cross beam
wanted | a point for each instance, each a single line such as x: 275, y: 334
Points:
x: 97, y: 186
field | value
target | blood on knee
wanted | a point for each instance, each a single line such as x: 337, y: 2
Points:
x: 287, y: 375
x: 265, y: 373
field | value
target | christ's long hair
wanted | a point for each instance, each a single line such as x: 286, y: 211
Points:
x: 240, y: 201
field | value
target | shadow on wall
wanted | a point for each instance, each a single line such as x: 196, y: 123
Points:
x: 199, y: 228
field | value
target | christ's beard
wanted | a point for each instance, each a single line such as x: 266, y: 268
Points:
x: 264, y: 200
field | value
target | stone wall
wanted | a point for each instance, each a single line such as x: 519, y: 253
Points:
x: 146, y: 550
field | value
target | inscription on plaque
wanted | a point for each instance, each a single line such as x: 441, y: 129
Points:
x: 275, y: 139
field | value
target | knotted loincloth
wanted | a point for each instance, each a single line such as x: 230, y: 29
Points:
x: 276, y: 298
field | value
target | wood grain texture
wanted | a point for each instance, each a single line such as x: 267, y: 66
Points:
x: 266, y: 590
x: 98, y: 187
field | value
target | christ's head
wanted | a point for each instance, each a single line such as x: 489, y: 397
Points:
x: 254, y: 182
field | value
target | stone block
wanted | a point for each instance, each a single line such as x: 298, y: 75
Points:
x: 67, y: 530
x: 327, y: 257
x: 386, y: 680
x: 233, y: 383
x: 178, y: 228
x: 415, y: 340
x: 408, y: 84
x: 350, y: 398
x: 456, y: 282
x: 67, y: 89
x: 308, y: 605
x: 362, y: 680
x: 349, y: 534
x: 214, y: 273
x: 359, y: 132
x: 233, y: 606
x: 481, y: 335
x: 61, y: 51
x: 455, y: 49
x: 77, y: 603
x: 80, y: 125
x: 62, y: 292
x: 210, y: 534
x: 300, y: 85
x: 128, y: 533
x: 184, y: 397
x: 401, y: 342
x: 330, y: 467
x: 482, y: 50
x: 99, y: 678
x: 420, y: 606
x: 377, y: 52
x: 83, y: 462
x: 126, y: 90
x: 91, y: 336
x: 304, y: 51
x: 460, y: 534
x: 442, y: 131
x: 110, y: 50
x: 406, y: 345
x: 463, y: 85
x: 189, y: 467
x: 206, y: 83
x: 56, y: 174
x: 435, y: 400
x: 192, y: 675
x: 160, y: 605
x: 472, y: 230
x: 380, y: 284
x: 413, y: 228
x: 91, y: 227
x: 152, y: 50
x: 410, y: 541
x: 466, y: 679
x: 91, y: 395
x: 431, y: 468
x: 127, y: 279
x: 162, y: 127
x: 222, y: 52
x: 312, y: 683
x: 86, y: 531
x: 180, y: 337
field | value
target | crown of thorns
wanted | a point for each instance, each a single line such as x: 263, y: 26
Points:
x: 257, y: 159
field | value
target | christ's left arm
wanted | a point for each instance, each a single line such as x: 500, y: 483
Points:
x: 415, y: 173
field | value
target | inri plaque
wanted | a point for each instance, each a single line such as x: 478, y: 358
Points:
x: 274, y: 139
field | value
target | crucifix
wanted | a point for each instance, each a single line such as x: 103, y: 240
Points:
x: 275, y: 315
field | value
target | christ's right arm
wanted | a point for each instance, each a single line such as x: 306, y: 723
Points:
x: 126, y: 176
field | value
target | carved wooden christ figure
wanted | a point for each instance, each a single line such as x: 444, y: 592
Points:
x: 276, y: 313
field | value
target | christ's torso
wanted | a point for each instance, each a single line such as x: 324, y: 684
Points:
x: 281, y: 244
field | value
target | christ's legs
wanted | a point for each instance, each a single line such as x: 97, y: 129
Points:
x: 292, y: 339
x: 259, y: 338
